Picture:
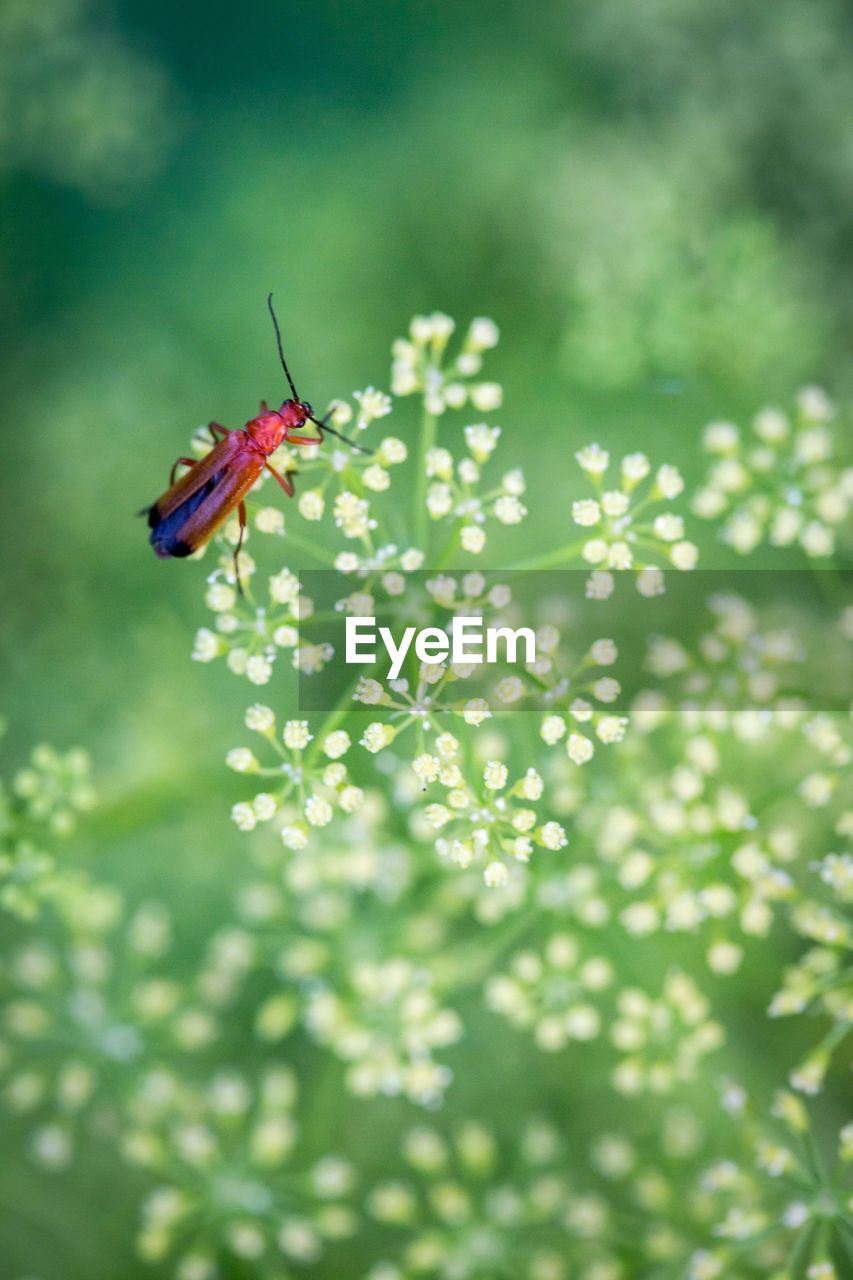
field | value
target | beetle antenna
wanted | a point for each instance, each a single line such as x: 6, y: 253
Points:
x: 281, y: 349
x: 324, y: 426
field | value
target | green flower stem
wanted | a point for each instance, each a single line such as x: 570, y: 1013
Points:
x: 801, y: 1251
x: 335, y: 717
x: 446, y: 553
x: 429, y: 425
x: 550, y: 559
x: 320, y: 553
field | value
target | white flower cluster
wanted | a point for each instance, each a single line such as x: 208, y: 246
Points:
x: 41, y: 805
x: 625, y: 527
x: 464, y: 1205
x: 768, y: 1202
x: 556, y: 993
x: 421, y: 367
x: 580, y: 701
x: 663, y: 1038
x: 308, y: 784
x: 230, y: 1183
x: 781, y: 483
x: 387, y: 1023
x: 455, y: 495
x: 91, y: 1009
x: 490, y: 823
x: 251, y: 636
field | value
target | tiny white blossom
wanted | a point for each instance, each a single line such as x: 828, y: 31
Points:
x: 270, y: 520
x: 483, y: 334
x: 509, y: 510
x: 553, y: 729
x: 586, y: 512
x: 635, y: 467
x: 336, y: 744
x: 318, y: 811
x: 684, y: 555
x: 475, y: 711
x: 296, y: 735
x: 486, y: 396
x: 553, y: 836
x: 495, y: 775
x: 669, y: 481
x: 579, y: 748
x: 259, y: 670
x: 472, y: 538
x: 311, y: 504
x: 260, y: 718
x: 481, y: 440
x: 593, y: 459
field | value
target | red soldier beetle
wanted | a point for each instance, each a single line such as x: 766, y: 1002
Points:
x: 194, y: 506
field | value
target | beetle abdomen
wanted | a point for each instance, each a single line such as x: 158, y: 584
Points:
x: 166, y: 530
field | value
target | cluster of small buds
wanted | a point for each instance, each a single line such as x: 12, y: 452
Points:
x: 690, y: 857
x: 616, y: 538
x: 489, y: 822
x: 639, y: 1204
x: 455, y: 495
x: 820, y: 982
x: 782, y: 484
x: 421, y: 365
x: 307, y: 786
x: 465, y: 1207
x: 783, y: 1203
x: 663, y: 1038
x: 580, y: 702
x: 738, y: 676
x: 250, y: 636
x: 829, y: 739
x: 43, y: 803
x: 230, y: 1185
x: 435, y: 693
x: 54, y: 787
x: 84, y: 1016
x: 555, y: 992
x: 386, y: 1023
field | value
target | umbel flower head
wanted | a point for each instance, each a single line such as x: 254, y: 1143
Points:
x: 41, y: 806
x: 465, y: 1205
x: 231, y: 1187
x: 86, y: 1011
x: 781, y: 482
x: 628, y: 526
x: 387, y: 1023
x: 423, y: 367
x: 307, y: 786
x: 556, y: 991
x: 781, y: 1200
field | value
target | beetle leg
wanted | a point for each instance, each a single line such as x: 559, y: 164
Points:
x: 304, y: 439
x: 186, y: 462
x: 241, y: 513
x: 286, y: 484
x: 217, y: 431
x: 264, y: 407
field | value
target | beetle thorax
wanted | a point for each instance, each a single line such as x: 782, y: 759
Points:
x: 269, y: 429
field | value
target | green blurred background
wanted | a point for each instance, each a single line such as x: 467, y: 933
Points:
x: 652, y: 201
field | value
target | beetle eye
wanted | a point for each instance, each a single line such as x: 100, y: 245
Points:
x: 308, y: 410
